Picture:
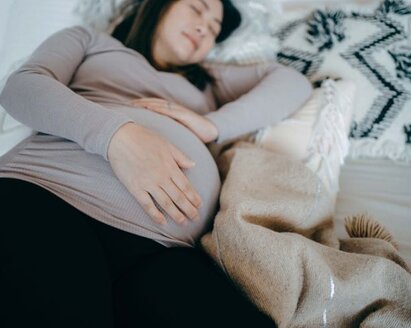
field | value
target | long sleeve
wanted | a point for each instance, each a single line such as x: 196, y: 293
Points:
x: 38, y: 95
x: 253, y: 96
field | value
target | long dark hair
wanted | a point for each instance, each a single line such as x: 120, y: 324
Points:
x: 137, y: 30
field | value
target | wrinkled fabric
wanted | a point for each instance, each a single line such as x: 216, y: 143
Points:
x: 274, y: 237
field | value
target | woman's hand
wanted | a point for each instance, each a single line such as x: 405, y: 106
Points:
x: 199, y: 125
x: 148, y: 165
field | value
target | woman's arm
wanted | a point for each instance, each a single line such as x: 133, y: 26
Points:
x: 253, y: 96
x: 37, y: 94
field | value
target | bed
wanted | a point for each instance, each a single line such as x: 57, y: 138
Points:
x: 373, y: 182
x: 367, y: 168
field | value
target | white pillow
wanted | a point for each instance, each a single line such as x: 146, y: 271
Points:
x: 317, y: 134
x: 99, y: 14
x: 250, y: 42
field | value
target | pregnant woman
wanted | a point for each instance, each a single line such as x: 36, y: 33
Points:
x: 106, y: 202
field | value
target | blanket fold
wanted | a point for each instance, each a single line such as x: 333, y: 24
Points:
x: 274, y: 237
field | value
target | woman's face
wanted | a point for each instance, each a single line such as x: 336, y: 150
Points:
x: 187, y: 32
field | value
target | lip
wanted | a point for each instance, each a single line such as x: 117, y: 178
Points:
x: 191, y: 39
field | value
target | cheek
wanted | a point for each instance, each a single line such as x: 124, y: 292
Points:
x: 179, y: 19
x: 206, y: 48
x: 171, y: 28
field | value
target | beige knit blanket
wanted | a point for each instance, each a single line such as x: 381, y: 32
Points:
x: 274, y: 237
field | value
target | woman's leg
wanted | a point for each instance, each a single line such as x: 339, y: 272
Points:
x: 123, y: 249
x: 53, y: 270
x: 154, y: 286
x: 182, y: 287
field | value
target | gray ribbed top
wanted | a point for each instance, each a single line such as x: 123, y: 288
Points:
x: 75, y: 90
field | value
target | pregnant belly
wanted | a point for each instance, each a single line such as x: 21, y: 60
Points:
x: 88, y: 183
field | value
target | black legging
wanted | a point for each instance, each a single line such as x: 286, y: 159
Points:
x: 61, y: 268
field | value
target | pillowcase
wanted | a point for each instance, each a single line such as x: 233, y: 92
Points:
x: 317, y: 134
x: 100, y: 14
x: 370, y: 45
x: 251, y: 41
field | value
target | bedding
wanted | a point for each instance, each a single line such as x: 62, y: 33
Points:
x: 367, y: 183
x: 371, y: 45
x: 374, y: 184
x: 380, y: 188
x: 317, y: 134
x: 102, y: 14
x: 274, y: 237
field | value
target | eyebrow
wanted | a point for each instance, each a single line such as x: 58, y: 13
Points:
x: 208, y: 8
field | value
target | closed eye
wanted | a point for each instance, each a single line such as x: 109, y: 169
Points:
x: 198, y: 11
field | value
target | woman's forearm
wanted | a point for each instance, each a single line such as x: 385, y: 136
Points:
x: 37, y: 94
x: 48, y: 106
x: 277, y: 93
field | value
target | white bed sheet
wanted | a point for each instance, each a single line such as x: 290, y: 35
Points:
x: 382, y: 189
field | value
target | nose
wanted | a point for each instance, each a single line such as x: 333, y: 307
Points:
x: 201, y: 30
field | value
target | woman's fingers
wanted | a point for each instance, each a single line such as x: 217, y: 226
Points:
x: 135, y: 149
x: 181, y: 201
x: 184, y: 185
x: 181, y: 180
x: 182, y: 160
x: 149, y: 207
x: 160, y: 106
x: 151, y: 103
x: 167, y: 204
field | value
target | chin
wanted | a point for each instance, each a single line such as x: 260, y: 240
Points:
x: 183, y: 59
x: 186, y: 56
